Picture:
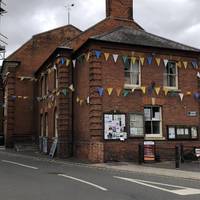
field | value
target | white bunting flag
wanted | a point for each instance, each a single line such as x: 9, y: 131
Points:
x: 115, y: 57
x: 74, y: 63
x: 181, y: 96
x: 166, y: 62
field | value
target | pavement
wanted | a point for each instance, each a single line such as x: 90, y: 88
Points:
x: 187, y: 170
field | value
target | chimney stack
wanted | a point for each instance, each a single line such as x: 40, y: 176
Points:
x: 119, y: 9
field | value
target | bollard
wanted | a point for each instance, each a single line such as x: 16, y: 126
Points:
x: 177, y: 157
x: 140, y: 154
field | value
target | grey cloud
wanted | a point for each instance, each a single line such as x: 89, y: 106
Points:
x: 174, y: 19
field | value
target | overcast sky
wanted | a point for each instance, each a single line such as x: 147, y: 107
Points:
x: 174, y: 19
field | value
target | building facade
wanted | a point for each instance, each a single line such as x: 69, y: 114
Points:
x: 112, y: 87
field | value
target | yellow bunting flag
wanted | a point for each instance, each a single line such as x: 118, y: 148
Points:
x: 57, y: 93
x: 178, y: 64
x: 118, y: 90
x: 19, y: 97
x: 25, y: 97
x: 157, y: 89
x: 142, y: 60
x: 67, y: 62
x: 133, y: 60
x: 185, y: 63
x: 58, y: 61
x: 109, y: 90
x: 158, y: 60
x: 88, y: 56
x: 106, y: 56
x: 166, y: 90
x: 189, y: 93
x: 77, y: 100
x: 81, y: 102
x: 143, y: 90
x: 71, y: 87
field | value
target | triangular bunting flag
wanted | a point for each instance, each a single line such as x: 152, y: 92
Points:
x: 77, y: 100
x: 118, y: 91
x: 71, y: 87
x: 149, y: 60
x: 62, y: 61
x: 133, y: 90
x: 98, y: 54
x: 64, y: 91
x: 157, y: 89
x: 194, y: 64
x: 109, y: 90
x: 198, y: 74
x: 125, y: 93
x: 74, y: 63
x: 100, y: 90
x: 189, y: 93
x: 166, y: 91
x: 88, y: 100
x: 178, y: 64
x: 58, y: 61
x: 133, y: 60
x: 143, y: 90
x: 115, y: 57
x: 185, y: 64
x: 54, y: 67
x: 165, y: 62
x: 181, y: 95
x: 125, y: 58
x: 106, y: 56
x: 142, y: 60
x: 88, y: 56
x: 81, y: 102
x: 158, y: 61
x: 67, y: 62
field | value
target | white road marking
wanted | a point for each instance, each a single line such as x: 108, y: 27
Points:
x: 82, y: 181
x: 19, y: 164
x: 179, y: 191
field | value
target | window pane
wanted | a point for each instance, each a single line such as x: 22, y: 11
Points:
x: 136, y: 125
x: 156, y: 127
x: 170, y: 75
x: 148, y: 128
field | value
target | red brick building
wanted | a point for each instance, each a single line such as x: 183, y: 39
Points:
x: 109, y: 89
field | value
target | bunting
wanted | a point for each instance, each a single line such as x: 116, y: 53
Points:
x: 133, y: 59
x: 198, y: 74
x: 158, y: 60
x: 88, y: 100
x: 185, y: 64
x: 109, y: 90
x: 181, y: 95
x: 125, y: 93
x: 71, y: 87
x: 166, y: 90
x: 98, y: 54
x: 81, y: 102
x: 142, y: 59
x: 106, y: 55
x: 88, y: 56
x: 115, y: 57
x: 62, y: 61
x: 149, y: 59
x: 157, y: 89
x: 77, y: 99
x: 194, y: 64
x: 74, y: 63
x: 143, y: 90
x: 118, y: 91
x: 178, y: 64
x: 64, y: 91
x: 100, y: 90
x: 165, y: 62
x: 67, y: 62
x: 125, y: 58
x: 188, y: 93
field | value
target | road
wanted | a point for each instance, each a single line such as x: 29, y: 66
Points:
x: 23, y: 178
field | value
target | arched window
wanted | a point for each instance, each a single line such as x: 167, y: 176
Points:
x: 55, y: 123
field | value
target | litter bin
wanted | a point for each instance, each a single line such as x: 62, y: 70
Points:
x: 1, y: 140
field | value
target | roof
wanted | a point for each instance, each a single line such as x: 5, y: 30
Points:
x: 128, y: 35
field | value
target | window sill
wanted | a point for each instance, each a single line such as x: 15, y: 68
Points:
x: 172, y: 89
x: 131, y: 87
x: 155, y: 138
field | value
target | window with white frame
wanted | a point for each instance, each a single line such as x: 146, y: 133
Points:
x: 136, y: 125
x: 132, y: 73
x: 153, y: 121
x: 171, y: 75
